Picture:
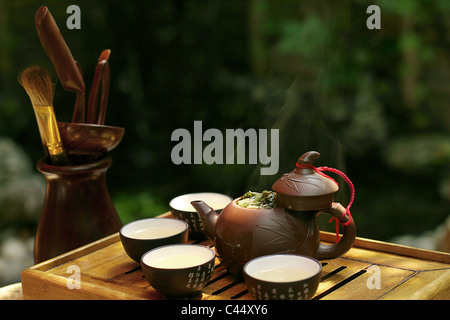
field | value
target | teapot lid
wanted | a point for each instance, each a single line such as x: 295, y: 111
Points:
x: 305, y: 180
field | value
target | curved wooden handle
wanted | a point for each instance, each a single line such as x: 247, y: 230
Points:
x: 331, y: 251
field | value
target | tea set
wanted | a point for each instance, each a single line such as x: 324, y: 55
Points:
x: 270, y: 239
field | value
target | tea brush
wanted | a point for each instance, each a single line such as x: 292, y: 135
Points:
x: 38, y: 84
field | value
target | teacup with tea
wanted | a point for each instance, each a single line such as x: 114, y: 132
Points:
x: 140, y: 236
x: 282, y: 277
x: 182, y: 209
x: 179, y: 271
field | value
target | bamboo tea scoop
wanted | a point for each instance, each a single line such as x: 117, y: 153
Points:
x: 68, y: 71
x: 87, y: 138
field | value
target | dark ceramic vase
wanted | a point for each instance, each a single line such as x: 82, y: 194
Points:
x: 77, y: 209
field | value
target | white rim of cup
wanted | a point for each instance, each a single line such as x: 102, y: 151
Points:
x: 186, y: 245
x: 281, y: 255
x: 198, y: 196
x: 162, y: 220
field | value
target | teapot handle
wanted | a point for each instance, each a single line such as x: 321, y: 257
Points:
x: 331, y: 251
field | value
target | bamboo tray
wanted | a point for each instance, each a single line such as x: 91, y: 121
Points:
x: 106, y: 272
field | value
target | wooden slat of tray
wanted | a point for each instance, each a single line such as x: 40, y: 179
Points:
x: 108, y: 273
x: 424, y: 285
x: 357, y: 289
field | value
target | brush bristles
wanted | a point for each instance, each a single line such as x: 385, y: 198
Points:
x: 38, y: 84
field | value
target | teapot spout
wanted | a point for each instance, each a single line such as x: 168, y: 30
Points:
x: 208, y: 217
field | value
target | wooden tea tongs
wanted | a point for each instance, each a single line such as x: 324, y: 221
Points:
x: 101, y: 76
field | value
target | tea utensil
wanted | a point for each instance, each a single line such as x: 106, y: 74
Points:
x: 101, y: 77
x: 59, y: 54
x: 37, y: 83
x: 85, y: 138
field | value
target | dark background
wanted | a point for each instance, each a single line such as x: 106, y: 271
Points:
x: 374, y: 103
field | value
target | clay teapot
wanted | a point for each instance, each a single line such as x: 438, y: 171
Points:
x: 290, y: 226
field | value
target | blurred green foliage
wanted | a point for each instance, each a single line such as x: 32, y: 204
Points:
x: 374, y: 103
x: 138, y: 205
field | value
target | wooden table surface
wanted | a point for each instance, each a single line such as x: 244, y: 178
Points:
x: 370, y: 270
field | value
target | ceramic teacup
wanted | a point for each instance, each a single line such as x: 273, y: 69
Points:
x: 282, y: 277
x: 182, y: 209
x: 140, y: 236
x: 178, y: 271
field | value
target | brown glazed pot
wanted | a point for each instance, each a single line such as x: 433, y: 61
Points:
x: 241, y: 234
x: 77, y: 208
